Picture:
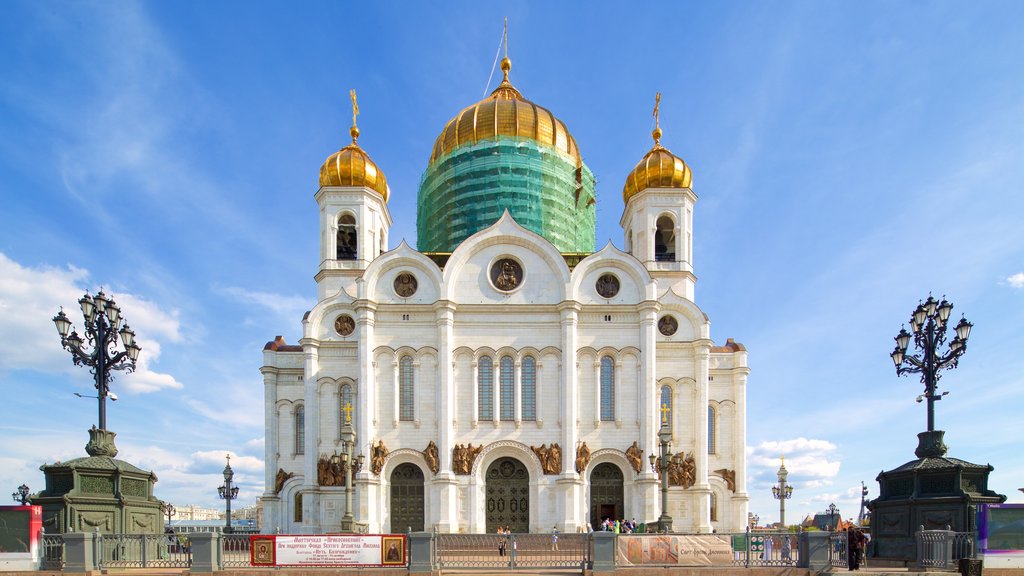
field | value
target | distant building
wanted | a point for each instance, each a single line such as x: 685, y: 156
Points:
x: 196, y: 512
x: 199, y: 526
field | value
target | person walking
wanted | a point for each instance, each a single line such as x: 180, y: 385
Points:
x: 554, y: 538
x: 501, y: 541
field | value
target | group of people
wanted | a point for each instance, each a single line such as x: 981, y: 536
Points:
x: 856, y: 547
x: 505, y: 533
x: 622, y: 526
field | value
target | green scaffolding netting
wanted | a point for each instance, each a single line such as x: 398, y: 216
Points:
x: 468, y: 189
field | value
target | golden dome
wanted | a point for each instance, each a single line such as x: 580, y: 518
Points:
x: 351, y: 166
x: 505, y: 113
x: 659, y: 168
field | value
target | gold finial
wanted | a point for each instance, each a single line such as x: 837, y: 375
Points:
x: 506, y: 64
x: 657, y: 128
x: 355, y: 112
x: 783, y: 460
x: 348, y: 412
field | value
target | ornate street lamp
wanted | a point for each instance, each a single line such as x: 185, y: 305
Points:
x: 21, y: 496
x: 782, y: 492
x: 102, y: 327
x: 863, y: 503
x: 928, y: 327
x: 348, y: 463
x: 168, y: 510
x: 228, y: 493
x: 661, y: 465
x: 833, y: 514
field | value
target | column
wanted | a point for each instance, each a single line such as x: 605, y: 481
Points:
x: 447, y: 519
x: 701, y: 486
x: 570, y: 487
x: 650, y: 417
x: 272, y: 512
x: 310, y: 496
x: 367, y: 506
x: 739, y: 447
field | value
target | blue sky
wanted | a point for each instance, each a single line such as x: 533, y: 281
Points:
x: 849, y: 158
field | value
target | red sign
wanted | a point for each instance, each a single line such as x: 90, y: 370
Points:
x: 372, y: 550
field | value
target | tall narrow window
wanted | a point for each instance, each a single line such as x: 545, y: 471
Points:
x: 529, y: 389
x: 347, y: 242
x: 507, y: 391
x: 485, y: 388
x: 298, y: 507
x: 714, y: 507
x: 607, y: 388
x: 300, y: 429
x: 665, y: 407
x: 346, y: 399
x: 665, y: 240
x: 406, y: 390
x: 712, y: 428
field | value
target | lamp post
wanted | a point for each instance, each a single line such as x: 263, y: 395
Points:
x: 21, y: 495
x: 228, y: 493
x: 102, y: 327
x: 833, y: 514
x: 348, y: 463
x: 168, y: 510
x: 782, y: 492
x: 661, y: 465
x: 928, y: 327
x: 863, y: 503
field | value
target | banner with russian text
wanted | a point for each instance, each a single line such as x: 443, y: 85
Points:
x: 379, y: 550
x: 680, y: 550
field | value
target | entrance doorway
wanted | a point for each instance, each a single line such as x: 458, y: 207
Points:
x: 606, y: 494
x: 508, y: 496
x: 407, y: 499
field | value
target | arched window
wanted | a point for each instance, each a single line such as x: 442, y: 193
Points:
x: 406, y: 390
x: 529, y: 388
x: 300, y: 429
x: 607, y: 388
x: 712, y: 428
x: 346, y: 398
x: 665, y: 407
x: 507, y: 391
x: 347, y: 239
x: 298, y: 507
x: 665, y: 240
x: 714, y: 507
x: 485, y: 388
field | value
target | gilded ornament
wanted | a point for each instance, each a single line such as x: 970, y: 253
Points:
x: 582, y: 457
x: 463, y: 458
x: 506, y: 274
x: 635, y: 456
x: 550, y: 458
x: 280, y: 479
x: 377, y: 455
x: 729, y: 476
x: 431, y: 456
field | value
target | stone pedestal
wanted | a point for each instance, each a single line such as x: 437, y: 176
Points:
x: 99, y: 493
x: 934, y: 491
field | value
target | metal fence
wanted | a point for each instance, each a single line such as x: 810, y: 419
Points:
x: 553, y: 550
x: 141, y: 551
x: 765, y: 548
x: 234, y: 551
x: 839, y: 549
x: 53, y: 552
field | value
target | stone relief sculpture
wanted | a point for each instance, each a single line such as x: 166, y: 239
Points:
x: 582, y: 457
x: 729, y: 476
x: 682, y: 471
x: 430, y: 455
x: 463, y: 457
x: 377, y: 455
x: 280, y: 479
x: 635, y: 456
x: 329, y: 473
x: 550, y: 458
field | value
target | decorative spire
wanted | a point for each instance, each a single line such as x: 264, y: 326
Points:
x: 506, y: 64
x: 657, y: 128
x: 354, y: 131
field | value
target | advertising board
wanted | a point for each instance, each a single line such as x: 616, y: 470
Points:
x: 380, y: 550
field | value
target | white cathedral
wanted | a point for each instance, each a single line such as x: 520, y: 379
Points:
x: 505, y: 372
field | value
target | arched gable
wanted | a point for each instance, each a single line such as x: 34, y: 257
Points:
x: 378, y: 282
x: 614, y: 457
x: 693, y: 323
x: 545, y: 273
x: 635, y: 282
x: 512, y: 449
x: 396, y: 458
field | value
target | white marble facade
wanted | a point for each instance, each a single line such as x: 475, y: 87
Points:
x: 554, y: 332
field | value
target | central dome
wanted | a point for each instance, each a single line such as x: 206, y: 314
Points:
x: 506, y: 153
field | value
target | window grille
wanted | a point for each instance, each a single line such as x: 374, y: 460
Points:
x: 529, y: 388
x: 300, y: 429
x: 406, y: 390
x: 607, y: 388
x: 712, y: 427
x: 508, y: 392
x: 485, y: 389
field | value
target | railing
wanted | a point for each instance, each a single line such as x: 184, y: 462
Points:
x: 512, y: 551
x: 766, y: 549
x: 141, y: 551
x: 234, y: 551
x: 839, y: 549
x: 942, y: 548
x: 53, y: 552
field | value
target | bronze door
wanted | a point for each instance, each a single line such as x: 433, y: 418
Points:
x: 406, y: 499
x: 606, y: 494
x: 508, y: 496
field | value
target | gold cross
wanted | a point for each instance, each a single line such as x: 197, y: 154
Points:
x: 355, y: 106
x: 657, y: 105
x: 347, y: 409
x: 664, y: 414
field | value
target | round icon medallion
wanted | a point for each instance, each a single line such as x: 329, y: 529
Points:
x: 506, y: 274
x: 344, y: 325
x: 668, y: 325
x: 607, y: 285
x: 405, y: 284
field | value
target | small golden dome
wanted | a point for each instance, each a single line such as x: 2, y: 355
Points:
x: 659, y: 168
x: 351, y: 166
x: 505, y: 113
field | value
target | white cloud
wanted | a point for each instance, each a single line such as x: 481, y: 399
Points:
x: 1016, y: 280
x: 806, y: 458
x: 288, y: 307
x: 31, y: 296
